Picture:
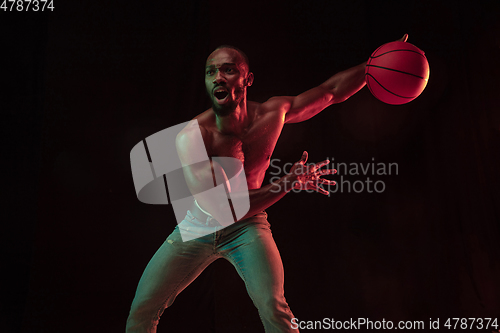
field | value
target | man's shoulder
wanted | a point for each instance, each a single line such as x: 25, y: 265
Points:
x: 190, y: 141
x: 194, y: 128
x: 201, y: 122
x: 275, y: 105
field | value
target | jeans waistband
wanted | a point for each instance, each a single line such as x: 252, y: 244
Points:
x: 202, y: 219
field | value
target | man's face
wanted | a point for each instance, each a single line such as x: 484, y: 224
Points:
x: 226, y: 78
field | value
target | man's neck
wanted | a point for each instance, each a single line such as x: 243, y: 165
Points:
x: 236, y: 122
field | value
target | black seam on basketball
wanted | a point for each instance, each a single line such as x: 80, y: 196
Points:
x: 368, y: 84
x: 396, y: 51
x: 395, y: 70
x: 386, y: 88
x: 378, y: 48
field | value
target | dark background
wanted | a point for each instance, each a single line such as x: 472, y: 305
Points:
x: 83, y: 84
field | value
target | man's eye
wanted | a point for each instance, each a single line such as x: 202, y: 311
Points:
x: 229, y: 70
x: 210, y: 72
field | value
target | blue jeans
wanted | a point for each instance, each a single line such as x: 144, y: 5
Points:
x: 247, y: 244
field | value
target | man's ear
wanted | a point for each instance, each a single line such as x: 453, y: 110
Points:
x: 249, y: 79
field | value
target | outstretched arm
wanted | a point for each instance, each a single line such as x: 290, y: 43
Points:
x: 336, y: 89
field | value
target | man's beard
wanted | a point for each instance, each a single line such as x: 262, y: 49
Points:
x: 224, y: 109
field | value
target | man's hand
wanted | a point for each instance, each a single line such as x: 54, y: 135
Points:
x: 307, y: 177
x: 403, y: 39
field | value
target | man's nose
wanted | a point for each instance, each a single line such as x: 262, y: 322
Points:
x: 218, y: 77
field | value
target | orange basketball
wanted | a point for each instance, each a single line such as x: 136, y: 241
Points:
x: 397, y: 72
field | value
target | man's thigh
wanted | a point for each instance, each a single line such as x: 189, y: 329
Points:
x: 253, y: 251
x: 172, y: 268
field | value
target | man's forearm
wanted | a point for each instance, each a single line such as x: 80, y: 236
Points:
x: 264, y: 197
x: 346, y: 83
x: 301, y: 177
x: 260, y: 199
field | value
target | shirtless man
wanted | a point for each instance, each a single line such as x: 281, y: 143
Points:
x: 247, y: 131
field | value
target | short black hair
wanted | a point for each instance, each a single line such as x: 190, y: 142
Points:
x: 238, y: 50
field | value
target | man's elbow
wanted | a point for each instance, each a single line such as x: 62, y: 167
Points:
x: 328, y: 94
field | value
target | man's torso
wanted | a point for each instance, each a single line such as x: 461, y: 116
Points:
x: 254, y: 146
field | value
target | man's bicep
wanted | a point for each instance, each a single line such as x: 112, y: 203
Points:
x: 203, y: 175
x: 199, y: 177
x: 307, y: 104
x: 196, y: 165
x: 190, y: 145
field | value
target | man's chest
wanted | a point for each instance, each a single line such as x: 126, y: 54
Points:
x: 254, y: 148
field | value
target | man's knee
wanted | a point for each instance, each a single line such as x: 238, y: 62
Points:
x: 269, y: 304
x: 143, y: 317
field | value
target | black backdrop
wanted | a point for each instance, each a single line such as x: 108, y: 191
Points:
x: 84, y: 83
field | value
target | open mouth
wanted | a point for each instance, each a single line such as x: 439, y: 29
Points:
x: 221, y: 95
